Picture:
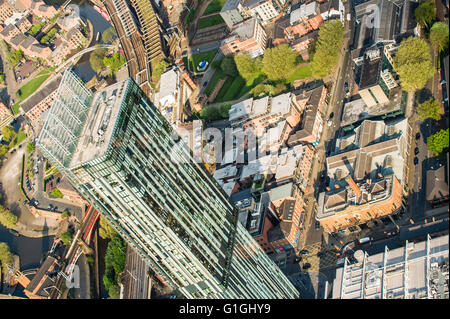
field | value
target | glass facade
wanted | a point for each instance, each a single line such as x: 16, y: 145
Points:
x: 166, y: 206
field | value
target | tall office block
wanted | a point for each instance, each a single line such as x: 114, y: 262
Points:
x: 122, y: 155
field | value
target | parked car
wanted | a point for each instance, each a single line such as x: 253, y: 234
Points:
x: 416, y: 151
x: 304, y: 252
x: 317, y: 226
x: 329, y: 123
x: 14, y: 232
x: 417, y: 136
x: 416, y: 160
x: 298, y: 259
x: 306, y: 266
x: 331, y: 115
x: 320, y: 254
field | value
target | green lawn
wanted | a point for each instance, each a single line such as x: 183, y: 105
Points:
x: 213, y: 82
x: 197, y: 58
x: 214, y: 6
x: 251, y: 83
x: 210, y: 21
x: 301, y: 73
x: 15, y: 108
x: 236, y: 87
x: 31, y: 86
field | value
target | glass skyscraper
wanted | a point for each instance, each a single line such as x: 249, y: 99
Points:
x: 124, y: 157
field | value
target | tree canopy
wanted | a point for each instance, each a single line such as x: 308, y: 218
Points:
x: 114, y: 62
x: 263, y: 89
x: 7, y: 219
x: 30, y: 147
x: 424, y: 14
x: 430, y: 108
x: 159, y: 69
x: 246, y: 66
x: 327, y: 47
x: 279, y: 62
x: 438, y: 142
x: 106, y: 231
x: 8, y: 133
x: 228, y: 66
x: 412, y: 63
x: 66, y: 238
x: 109, y: 35
x: 114, y: 264
x: 439, y: 36
x: 6, y: 257
x: 96, y: 60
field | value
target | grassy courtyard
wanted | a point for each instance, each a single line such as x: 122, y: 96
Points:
x: 195, y: 59
x: 302, y: 72
x: 214, y: 6
x: 210, y: 21
x: 31, y: 86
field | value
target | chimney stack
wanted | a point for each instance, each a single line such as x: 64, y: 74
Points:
x: 353, y: 185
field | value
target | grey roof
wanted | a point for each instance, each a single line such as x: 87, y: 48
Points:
x: 18, y: 39
x: 309, y: 115
x: 371, y: 68
x: 280, y: 25
x: 41, y: 273
x: 29, y: 40
x: 437, y: 187
x: 245, y: 29
x: 281, y: 191
x: 230, y: 5
x: 305, y: 10
x: 7, y: 29
x: 41, y: 94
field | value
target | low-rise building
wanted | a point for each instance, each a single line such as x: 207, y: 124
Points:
x: 437, y: 187
x: 236, y: 11
x: 247, y: 37
x: 374, y: 147
x: 345, y: 208
x: 259, y: 114
x: 415, y: 270
x: 40, y: 101
x: 6, y: 10
x: 310, y: 127
x: 21, y: 20
x: 173, y: 93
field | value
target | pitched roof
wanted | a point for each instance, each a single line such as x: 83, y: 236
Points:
x: 437, y: 187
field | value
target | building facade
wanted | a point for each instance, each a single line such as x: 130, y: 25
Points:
x: 124, y: 157
x: 247, y: 37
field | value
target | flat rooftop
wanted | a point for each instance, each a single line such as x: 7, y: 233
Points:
x: 98, y: 127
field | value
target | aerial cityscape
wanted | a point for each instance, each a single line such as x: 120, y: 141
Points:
x: 224, y: 149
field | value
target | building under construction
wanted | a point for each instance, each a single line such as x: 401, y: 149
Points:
x: 418, y: 270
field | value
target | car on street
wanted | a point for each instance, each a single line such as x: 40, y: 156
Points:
x: 297, y: 259
x: 36, y: 202
x: 417, y: 136
x: 307, y: 266
x: 331, y: 115
x: 329, y: 123
x: 317, y: 226
x: 320, y: 254
x: 416, y: 151
x: 304, y: 252
x: 416, y: 160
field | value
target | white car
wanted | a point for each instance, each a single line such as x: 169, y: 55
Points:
x: 329, y: 123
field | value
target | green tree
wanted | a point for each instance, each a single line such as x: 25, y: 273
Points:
x: 228, y: 66
x: 327, y: 48
x: 263, y: 89
x: 6, y: 257
x: 7, y: 219
x: 96, y: 60
x: 412, y: 62
x: 279, y: 62
x: 8, y: 133
x: 109, y: 35
x: 115, y: 256
x: 246, y: 66
x: 438, y: 142
x: 424, y: 14
x: 114, y: 291
x: 66, y: 238
x: 30, y: 147
x: 160, y: 67
x: 225, y: 110
x: 16, y: 57
x: 65, y: 215
x: 430, y: 108
x: 56, y: 193
x: 2, y: 78
x: 3, y: 149
x: 439, y: 36
x: 115, y: 62
x: 210, y: 113
x: 106, y: 231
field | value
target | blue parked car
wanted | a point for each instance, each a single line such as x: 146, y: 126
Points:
x: 416, y: 161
